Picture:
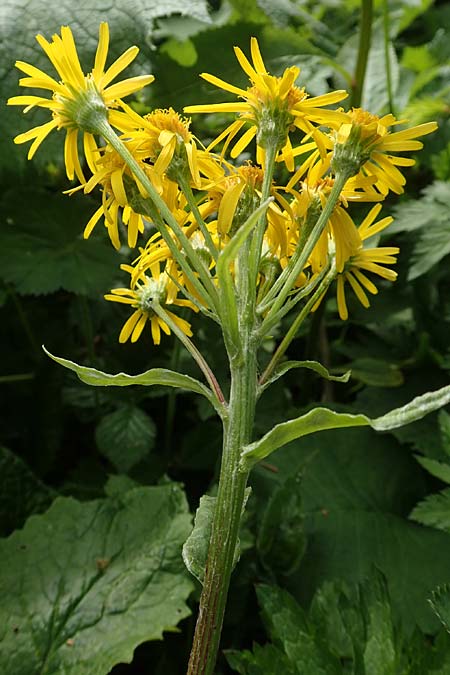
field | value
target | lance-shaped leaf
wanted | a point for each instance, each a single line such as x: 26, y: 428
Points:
x: 321, y: 419
x: 158, y: 376
x: 85, y: 583
x: 310, y: 365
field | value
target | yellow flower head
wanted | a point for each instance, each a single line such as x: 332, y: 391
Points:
x: 272, y: 105
x: 234, y: 197
x: 75, y: 97
x: 365, y: 140
x: 366, y: 260
x: 163, y: 137
x: 145, y: 295
x: 109, y: 172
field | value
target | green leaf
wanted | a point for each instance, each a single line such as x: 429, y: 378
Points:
x: 42, y: 249
x: 440, y: 602
x: 195, y: 548
x: 281, y: 541
x: 158, y: 376
x: 428, y: 218
x: 321, y: 419
x: 21, y: 492
x: 310, y: 365
x: 438, y: 469
x: 125, y: 436
x: 86, y: 583
x: 318, y: 419
x: 434, y: 511
x: 266, y: 660
x: 130, y: 22
x: 444, y: 426
x: 357, y: 488
x: 288, y: 625
x: 376, y: 372
x: 380, y: 649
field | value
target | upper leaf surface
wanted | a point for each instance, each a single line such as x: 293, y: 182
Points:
x: 130, y: 22
x: 85, y: 583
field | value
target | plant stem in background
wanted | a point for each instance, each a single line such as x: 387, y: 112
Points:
x: 365, y: 37
x: 387, y: 60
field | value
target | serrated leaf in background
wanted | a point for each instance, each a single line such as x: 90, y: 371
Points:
x: 429, y: 218
x: 440, y: 602
x: 434, y: 511
x: 266, y: 660
x: 357, y: 490
x: 42, y: 249
x: 288, y: 625
x: 131, y: 22
x: 125, y: 437
x: 281, y: 540
x: 21, y: 492
x: 84, y: 584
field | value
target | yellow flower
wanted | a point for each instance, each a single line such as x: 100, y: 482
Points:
x: 109, y: 171
x: 163, y: 137
x: 366, y: 260
x: 148, y: 291
x: 272, y: 105
x: 74, y: 93
x: 367, y: 139
x: 340, y: 232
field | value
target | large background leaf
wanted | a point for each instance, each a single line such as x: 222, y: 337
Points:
x: 84, y: 584
x: 357, y: 489
x: 21, y: 21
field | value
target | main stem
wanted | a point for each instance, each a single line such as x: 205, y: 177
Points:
x: 227, y: 517
x: 238, y: 425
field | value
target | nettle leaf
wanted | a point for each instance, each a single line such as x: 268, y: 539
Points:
x: 281, y: 540
x: 429, y: 218
x: 444, y: 426
x: 288, y: 625
x: 155, y: 376
x: 440, y: 602
x: 309, y: 365
x: 438, y: 469
x: 266, y: 660
x: 130, y: 21
x: 356, y: 488
x: 42, y: 249
x: 434, y: 511
x: 380, y: 649
x: 125, y: 437
x: 321, y: 419
x: 21, y: 492
x: 84, y: 584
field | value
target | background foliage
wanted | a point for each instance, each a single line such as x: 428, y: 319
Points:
x: 346, y: 534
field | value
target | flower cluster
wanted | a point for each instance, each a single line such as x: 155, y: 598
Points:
x: 157, y: 179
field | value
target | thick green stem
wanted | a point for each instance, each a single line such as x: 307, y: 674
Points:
x: 238, y: 427
x: 227, y: 517
x: 365, y: 36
